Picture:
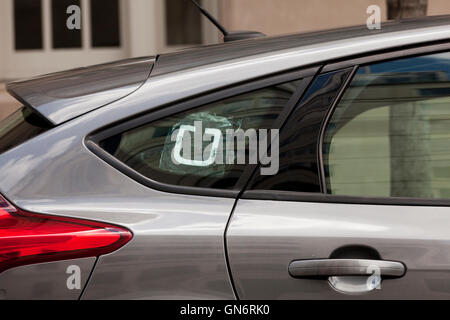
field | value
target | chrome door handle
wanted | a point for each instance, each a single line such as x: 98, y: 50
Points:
x: 345, y: 267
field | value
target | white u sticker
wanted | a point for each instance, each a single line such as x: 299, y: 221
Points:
x: 215, y: 133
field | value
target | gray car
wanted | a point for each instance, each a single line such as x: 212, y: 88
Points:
x: 348, y: 197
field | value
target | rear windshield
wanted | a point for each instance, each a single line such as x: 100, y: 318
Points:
x: 22, y: 125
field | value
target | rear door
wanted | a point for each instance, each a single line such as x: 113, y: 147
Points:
x: 360, y: 204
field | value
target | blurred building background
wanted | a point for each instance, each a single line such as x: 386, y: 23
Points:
x: 34, y: 38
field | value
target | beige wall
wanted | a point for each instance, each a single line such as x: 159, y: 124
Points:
x: 290, y: 16
x: 437, y: 7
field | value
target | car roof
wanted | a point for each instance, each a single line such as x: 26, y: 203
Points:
x: 207, y: 68
x: 210, y: 54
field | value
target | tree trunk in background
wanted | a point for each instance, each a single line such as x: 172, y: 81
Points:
x: 411, y: 171
x: 398, y: 9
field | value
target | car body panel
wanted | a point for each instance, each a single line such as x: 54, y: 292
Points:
x: 265, y: 236
x: 177, y: 252
x: 89, y: 188
x: 45, y: 280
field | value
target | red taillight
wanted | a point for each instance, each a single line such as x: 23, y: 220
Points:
x: 27, y: 238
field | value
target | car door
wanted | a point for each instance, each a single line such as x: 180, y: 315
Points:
x: 359, y: 207
x: 179, y: 156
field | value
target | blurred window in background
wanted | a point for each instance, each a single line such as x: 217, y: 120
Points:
x: 62, y: 36
x: 104, y: 27
x: 183, y: 23
x: 105, y: 23
x: 28, y: 24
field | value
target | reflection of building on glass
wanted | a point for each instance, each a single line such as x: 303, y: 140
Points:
x: 389, y: 135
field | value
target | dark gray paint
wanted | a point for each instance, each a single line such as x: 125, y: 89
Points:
x: 265, y: 236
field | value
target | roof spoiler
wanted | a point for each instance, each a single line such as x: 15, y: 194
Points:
x: 62, y: 96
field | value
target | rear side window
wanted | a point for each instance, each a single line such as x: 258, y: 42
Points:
x: 390, y: 134
x: 154, y: 151
x: 22, y: 125
x: 298, y: 167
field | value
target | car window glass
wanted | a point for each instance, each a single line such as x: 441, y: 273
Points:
x: 158, y: 149
x: 298, y: 143
x: 390, y: 134
x: 20, y: 126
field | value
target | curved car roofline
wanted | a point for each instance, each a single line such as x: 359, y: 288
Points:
x: 204, y: 55
x: 196, y: 76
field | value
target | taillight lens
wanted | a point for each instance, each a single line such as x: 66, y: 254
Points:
x: 27, y: 238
